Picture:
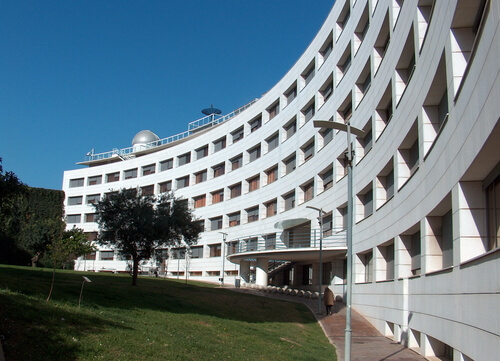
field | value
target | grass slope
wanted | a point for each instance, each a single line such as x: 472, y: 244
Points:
x: 157, y: 320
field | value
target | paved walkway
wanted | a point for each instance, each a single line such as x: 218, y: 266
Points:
x: 367, y: 343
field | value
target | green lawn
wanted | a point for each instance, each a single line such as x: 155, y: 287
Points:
x: 157, y: 320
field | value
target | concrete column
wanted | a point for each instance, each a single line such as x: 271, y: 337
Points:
x: 245, y: 271
x: 261, y: 271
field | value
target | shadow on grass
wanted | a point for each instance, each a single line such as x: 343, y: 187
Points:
x: 108, y: 290
x: 161, y: 317
x: 36, y: 330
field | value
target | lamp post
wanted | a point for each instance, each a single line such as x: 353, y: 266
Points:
x: 320, y: 281
x: 224, y: 235
x: 350, y: 157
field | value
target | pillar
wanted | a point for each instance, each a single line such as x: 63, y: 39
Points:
x: 261, y: 271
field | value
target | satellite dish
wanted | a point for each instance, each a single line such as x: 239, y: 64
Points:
x: 211, y: 110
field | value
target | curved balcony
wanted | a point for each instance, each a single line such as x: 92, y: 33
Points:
x: 288, y: 245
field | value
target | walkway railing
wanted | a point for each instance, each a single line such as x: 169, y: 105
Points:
x: 287, y: 240
x: 193, y: 127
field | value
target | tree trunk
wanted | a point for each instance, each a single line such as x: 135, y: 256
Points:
x: 52, y: 284
x: 34, y: 259
x: 135, y: 271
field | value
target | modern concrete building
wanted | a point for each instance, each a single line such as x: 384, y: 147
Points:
x: 421, y: 78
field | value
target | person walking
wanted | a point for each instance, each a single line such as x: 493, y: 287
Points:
x: 328, y: 300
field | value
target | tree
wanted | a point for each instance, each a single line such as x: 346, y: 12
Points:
x: 138, y: 225
x: 11, y: 188
x: 41, y: 217
x: 72, y: 244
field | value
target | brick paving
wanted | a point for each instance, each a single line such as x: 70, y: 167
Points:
x: 367, y: 343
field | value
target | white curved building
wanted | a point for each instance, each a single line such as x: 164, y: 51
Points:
x: 421, y: 78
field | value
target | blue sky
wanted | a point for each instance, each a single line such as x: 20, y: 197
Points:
x: 77, y: 75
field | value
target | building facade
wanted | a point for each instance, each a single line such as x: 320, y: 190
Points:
x: 421, y: 79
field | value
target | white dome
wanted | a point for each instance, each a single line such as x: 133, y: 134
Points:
x: 144, y: 137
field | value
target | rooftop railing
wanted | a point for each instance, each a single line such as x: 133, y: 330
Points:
x: 193, y: 127
x: 287, y: 240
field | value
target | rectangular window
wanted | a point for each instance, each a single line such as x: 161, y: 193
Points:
x: 234, y: 219
x: 77, y: 182
x: 272, y: 175
x: 493, y: 213
x: 235, y: 190
x: 289, y: 200
x: 217, y: 196
x: 215, y: 250
x: 327, y: 178
x: 290, y: 128
x: 309, y: 112
x: 273, y: 110
x: 253, y: 214
x: 237, y: 134
x: 113, y: 177
x: 220, y: 144
x: 308, y: 190
x: 308, y: 151
x: 200, y: 224
x: 255, y: 124
x: 273, y: 142
x: 201, y: 152
x: 74, y: 201
x: 184, y: 158
x: 95, y: 180
x: 131, y: 173
x: 219, y: 170
x: 148, y: 190
x: 215, y: 223
x: 254, y: 153
x: 290, y: 164
x: 106, y: 255
x: 148, y: 169
x: 182, y: 182
x: 90, y: 256
x: 93, y: 198
x: 415, y: 254
x: 236, y: 162
x: 90, y: 217
x: 201, y: 176
x: 327, y: 90
x: 291, y: 94
x: 200, y: 201
x: 327, y: 49
x: 271, y: 208
x: 166, y: 164
x: 196, y: 252
x: 73, y: 218
x: 327, y: 135
x: 165, y: 187
x: 308, y: 75
x: 253, y: 183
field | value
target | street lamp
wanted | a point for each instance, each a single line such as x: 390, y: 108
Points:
x: 320, y: 220
x: 224, y: 235
x: 350, y: 157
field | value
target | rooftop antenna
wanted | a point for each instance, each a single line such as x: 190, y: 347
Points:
x: 211, y: 110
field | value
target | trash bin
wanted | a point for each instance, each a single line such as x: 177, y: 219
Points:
x: 237, y: 283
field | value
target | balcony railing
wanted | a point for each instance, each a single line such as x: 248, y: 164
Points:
x: 287, y: 240
x: 193, y: 127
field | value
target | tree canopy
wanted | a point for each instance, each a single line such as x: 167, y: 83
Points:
x: 30, y: 219
x: 137, y: 225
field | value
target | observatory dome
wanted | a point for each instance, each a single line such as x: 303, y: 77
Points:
x: 144, y: 137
